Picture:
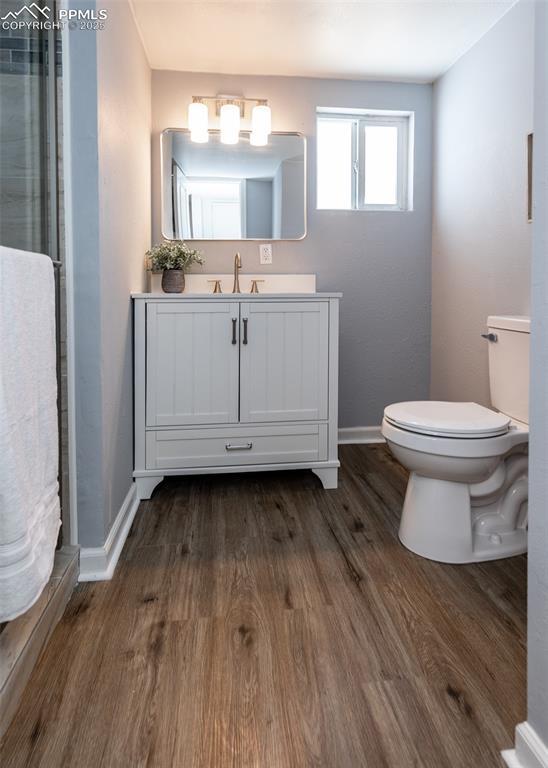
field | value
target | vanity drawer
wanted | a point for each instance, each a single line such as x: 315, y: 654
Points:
x: 209, y: 447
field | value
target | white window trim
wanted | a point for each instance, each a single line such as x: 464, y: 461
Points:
x: 404, y: 121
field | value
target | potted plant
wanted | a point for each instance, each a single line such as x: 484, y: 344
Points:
x: 173, y: 258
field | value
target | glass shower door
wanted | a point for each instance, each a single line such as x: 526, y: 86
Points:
x: 30, y: 162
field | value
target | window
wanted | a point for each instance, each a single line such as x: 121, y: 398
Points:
x: 364, y: 160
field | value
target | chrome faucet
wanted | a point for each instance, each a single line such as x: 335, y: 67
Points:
x: 237, y: 266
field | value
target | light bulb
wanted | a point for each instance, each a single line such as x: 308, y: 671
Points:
x: 230, y: 123
x: 198, y: 122
x: 261, y: 120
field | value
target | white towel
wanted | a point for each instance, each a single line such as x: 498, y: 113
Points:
x: 29, y: 490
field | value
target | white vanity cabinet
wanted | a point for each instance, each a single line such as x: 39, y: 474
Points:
x: 191, y: 363
x: 284, y: 361
x: 235, y: 383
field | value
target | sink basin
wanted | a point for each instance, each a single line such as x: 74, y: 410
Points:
x: 198, y: 283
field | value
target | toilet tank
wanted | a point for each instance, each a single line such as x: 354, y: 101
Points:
x: 509, y: 365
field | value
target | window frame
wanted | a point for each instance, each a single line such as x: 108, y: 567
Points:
x: 403, y: 121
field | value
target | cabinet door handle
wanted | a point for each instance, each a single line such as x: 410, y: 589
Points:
x: 234, y: 321
x: 246, y: 447
x: 245, y: 330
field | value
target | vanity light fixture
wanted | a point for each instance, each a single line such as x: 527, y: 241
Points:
x: 230, y: 123
x: 230, y: 110
x: 198, y: 121
x: 261, y: 124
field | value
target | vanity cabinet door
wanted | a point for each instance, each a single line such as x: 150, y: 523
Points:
x: 192, y: 363
x: 284, y: 361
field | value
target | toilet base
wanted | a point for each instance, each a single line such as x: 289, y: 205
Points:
x: 436, y: 523
x: 508, y: 545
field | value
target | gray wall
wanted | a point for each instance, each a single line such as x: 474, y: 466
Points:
x: 381, y: 260
x: 483, y: 111
x: 292, y: 217
x: 538, y: 445
x: 124, y: 172
x: 110, y: 137
x: 288, y: 188
x: 82, y: 237
x: 287, y: 215
x: 258, y: 198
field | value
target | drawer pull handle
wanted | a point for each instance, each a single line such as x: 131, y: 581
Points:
x: 234, y: 321
x: 246, y: 447
x: 245, y: 330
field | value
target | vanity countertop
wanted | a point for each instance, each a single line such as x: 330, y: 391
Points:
x: 233, y: 296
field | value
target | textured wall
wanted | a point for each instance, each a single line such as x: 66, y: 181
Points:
x: 381, y: 261
x: 82, y: 236
x: 538, y: 468
x: 483, y: 111
x: 109, y: 117
x: 124, y: 172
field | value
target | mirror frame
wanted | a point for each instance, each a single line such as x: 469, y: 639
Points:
x: 241, y: 239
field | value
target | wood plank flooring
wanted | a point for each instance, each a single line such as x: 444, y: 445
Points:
x: 257, y: 620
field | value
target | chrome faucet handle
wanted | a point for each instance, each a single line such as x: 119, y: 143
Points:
x: 217, y: 287
x: 255, y: 286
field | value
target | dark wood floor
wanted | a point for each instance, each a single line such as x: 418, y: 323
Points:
x: 257, y: 620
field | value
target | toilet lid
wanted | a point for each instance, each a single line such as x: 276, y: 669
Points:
x: 432, y: 417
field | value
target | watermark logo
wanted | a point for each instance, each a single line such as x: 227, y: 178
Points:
x: 33, y: 16
x: 34, y: 10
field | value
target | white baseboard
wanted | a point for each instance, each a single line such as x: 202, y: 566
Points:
x: 355, y: 435
x: 530, y: 751
x: 98, y: 563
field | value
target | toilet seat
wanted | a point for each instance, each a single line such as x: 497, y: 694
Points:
x: 440, y: 445
x: 447, y: 419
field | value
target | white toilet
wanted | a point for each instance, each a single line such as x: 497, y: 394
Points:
x: 466, y: 499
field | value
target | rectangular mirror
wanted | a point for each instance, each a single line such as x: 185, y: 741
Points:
x: 217, y: 191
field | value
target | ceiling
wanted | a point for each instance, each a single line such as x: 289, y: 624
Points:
x: 360, y: 39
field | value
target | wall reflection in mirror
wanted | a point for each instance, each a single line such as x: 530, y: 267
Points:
x: 216, y: 191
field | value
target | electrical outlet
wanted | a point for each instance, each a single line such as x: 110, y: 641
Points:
x: 265, y: 253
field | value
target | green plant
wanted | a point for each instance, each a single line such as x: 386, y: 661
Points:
x: 172, y: 255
